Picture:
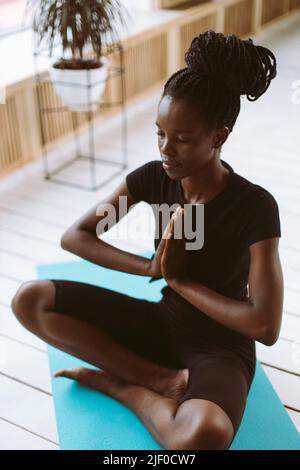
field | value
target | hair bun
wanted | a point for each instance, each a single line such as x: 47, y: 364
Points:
x: 239, y: 65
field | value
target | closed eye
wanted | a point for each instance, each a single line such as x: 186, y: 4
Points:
x: 180, y: 140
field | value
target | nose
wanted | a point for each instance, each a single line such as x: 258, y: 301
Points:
x: 166, y: 148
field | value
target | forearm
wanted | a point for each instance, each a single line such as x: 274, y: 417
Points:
x: 86, y: 245
x: 239, y: 316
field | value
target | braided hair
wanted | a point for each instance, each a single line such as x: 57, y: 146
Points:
x: 219, y: 70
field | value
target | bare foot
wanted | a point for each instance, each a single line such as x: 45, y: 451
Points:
x: 172, y: 386
x: 96, y: 379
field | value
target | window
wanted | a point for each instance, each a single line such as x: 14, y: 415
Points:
x: 12, y: 16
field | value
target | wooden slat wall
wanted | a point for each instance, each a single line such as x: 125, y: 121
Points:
x: 193, y: 28
x: 149, y: 58
x: 272, y: 9
x: 145, y: 64
x: 168, y: 3
x: 10, y: 148
x: 54, y: 124
x: 57, y: 124
x: 277, y: 7
x: 238, y: 18
x: 294, y: 4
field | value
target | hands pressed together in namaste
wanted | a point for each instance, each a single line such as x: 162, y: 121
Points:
x: 170, y: 256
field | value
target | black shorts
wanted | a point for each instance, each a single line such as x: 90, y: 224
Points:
x: 215, y: 374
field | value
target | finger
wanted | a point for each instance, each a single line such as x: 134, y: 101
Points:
x: 166, y: 247
x: 177, y: 227
x: 161, y: 247
x: 170, y: 225
x: 166, y: 233
x: 162, y: 243
x: 167, y: 228
x: 171, y: 231
x: 179, y: 211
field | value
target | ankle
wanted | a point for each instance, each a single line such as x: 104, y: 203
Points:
x: 157, y: 378
x: 165, y: 376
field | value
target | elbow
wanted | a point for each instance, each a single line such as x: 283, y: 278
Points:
x: 74, y: 240
x: 66, y: 240
x: 269, y: 336
x: 267, y: 332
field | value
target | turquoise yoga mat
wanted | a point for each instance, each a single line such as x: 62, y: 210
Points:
x: 89, y: 420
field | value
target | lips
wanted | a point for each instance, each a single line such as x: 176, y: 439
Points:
x: 170, y: 164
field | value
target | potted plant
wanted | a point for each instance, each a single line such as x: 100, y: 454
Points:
x: 80, y: 29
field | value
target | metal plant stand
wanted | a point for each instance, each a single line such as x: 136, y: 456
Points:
x: 91, y: 158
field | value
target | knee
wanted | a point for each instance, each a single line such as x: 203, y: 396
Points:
x: 26, y: 301
x: 207, y: 437
x: 212, y: 435
x: 207, y: 432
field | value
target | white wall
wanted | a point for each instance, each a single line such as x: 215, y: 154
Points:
x: 141, y: 5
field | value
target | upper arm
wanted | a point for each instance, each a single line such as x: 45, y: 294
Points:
x: 90, y: 219
x: 266, y: 286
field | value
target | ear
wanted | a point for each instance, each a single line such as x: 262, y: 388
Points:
x: 220, y: 137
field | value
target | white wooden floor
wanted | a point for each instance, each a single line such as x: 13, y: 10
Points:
x: 34, y: 213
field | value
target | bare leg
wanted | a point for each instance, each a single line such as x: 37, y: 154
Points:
x: 194, y: 424
x: 84, y: 341
x: 90, y: 344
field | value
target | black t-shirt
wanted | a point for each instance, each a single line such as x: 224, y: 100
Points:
x: 240, y: 215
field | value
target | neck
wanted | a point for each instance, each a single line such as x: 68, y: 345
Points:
x: 205, y: 184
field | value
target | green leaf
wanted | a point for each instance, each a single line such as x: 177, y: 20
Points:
x: 91, y: 22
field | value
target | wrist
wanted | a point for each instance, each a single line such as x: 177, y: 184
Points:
x: 149, y: 268
x: 175, y: 282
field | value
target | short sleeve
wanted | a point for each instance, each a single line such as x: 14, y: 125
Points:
x: 142, y: 181
x: 262, y: 219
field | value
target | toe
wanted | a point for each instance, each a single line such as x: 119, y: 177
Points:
x: 75, y: 373
x: 59, y: 372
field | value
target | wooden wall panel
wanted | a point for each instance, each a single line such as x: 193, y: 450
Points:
x: 192, y: 29
x: 272, y: 9
x: 10, y: 135
x: 145, y: 64
x: 238, y: 18
x: 169, y: 3
x: 294, y: 4
x: 57, y: 123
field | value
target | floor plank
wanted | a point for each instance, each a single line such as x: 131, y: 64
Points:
x: 290, y: 327
x: 13, y: 265
x: 17, y: 438
x: 283, y: 354
x: 291, y: 300
x: 32, y: 249
x: 8, y: 288
x: 26, y: 364
x: 286, y: 385
x: 11, y: 328
x: 21, y: 224
x: 19, y: 405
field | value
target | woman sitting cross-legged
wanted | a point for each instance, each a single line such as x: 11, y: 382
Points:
x: 184, y: 364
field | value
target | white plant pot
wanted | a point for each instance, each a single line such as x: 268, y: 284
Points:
x: 66, y: 83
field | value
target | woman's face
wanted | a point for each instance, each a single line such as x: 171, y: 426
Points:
x: 183, y: 139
